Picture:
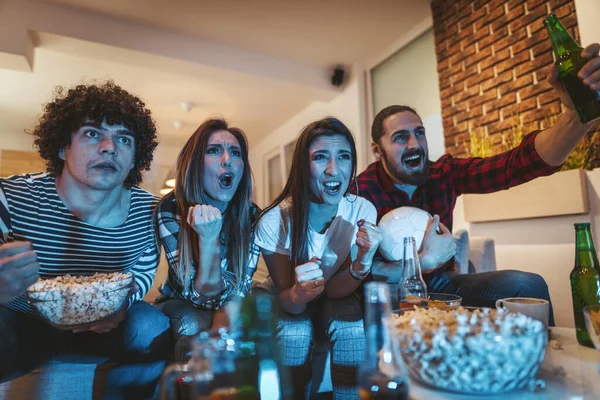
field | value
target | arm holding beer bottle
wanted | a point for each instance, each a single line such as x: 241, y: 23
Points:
x: 556, y: 143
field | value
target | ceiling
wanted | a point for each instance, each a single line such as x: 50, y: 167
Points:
x: 315, y: 32
x: 252, y: 103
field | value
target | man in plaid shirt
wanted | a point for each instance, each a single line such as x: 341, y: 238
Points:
x: 403, y: 176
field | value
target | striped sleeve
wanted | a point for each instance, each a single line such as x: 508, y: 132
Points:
x: 4, y: 218
x: 144, y: 272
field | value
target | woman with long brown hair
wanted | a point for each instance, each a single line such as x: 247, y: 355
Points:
x: 318, y: 242
x: 206, y: 226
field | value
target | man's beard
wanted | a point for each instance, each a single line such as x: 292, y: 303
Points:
x: 395, y: 168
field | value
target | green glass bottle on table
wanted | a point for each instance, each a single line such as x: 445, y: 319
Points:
x: 262, y: 365
x: 568, y: 62
x: 238, y: 362
x: 256, y: 372
x: 585, y: 279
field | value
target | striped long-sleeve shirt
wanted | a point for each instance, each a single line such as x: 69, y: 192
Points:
x: 31, y: 210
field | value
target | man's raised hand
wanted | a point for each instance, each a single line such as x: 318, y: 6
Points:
x: 19, y: 269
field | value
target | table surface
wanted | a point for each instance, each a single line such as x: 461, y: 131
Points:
x: 572, y: 372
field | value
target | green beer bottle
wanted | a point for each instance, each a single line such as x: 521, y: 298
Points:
x: 568, y: 62
x: 585, y: 279
x: 238, y: 362
x: 260, y: 361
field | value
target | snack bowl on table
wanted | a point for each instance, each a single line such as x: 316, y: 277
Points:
x: 434, y: 300
x: 592, y: 323
x: 472, y: 350
x: 68, y: 302
x: 443, y: 300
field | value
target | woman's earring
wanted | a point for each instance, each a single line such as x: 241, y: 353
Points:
x: 348, y: 193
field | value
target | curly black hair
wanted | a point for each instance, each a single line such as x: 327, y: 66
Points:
x: 95, y: 103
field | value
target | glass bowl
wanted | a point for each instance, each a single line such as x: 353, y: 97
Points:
x: 69, y: 306
x: 471, y: 350
x: 435, y: 300
x: 592, y: 323
x: 443, y: 300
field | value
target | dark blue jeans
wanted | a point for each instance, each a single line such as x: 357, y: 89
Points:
x: 483, y: 289
x: 139, y: 346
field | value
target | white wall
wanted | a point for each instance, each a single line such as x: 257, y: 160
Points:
x: 165, y: 158
x: 12, y: 131
x: 588, y: 12
x: 13, y: 139
x: 409, y: 77
x: 348, y: 106
x: 545, y: 246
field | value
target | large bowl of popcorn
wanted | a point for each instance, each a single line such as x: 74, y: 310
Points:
x: 475, y: 351
x: 68, y: 302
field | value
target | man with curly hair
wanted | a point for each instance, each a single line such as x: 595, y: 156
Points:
x: 84, y: 215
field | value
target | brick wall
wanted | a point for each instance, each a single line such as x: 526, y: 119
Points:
x: 493, y: 56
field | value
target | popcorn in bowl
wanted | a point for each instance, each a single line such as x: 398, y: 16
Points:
x: 475, y: 351
x: 69, y: 301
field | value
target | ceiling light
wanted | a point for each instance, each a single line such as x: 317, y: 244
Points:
x: 170, y: 178
x: 187, y: 106
x: 165, y: 191
x: 178, y: 124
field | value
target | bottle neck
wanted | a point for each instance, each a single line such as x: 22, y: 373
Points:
x: 258, y: 315
x: 585, y: 251
x: 259, y: 325
x: 411, y: 264
x: 412, y: 268
x: 562, y: 43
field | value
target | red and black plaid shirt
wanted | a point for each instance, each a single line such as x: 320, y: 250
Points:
x: 450, y: 177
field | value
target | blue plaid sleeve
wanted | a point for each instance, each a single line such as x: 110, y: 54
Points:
x: 168, y: 230
x: 229, y: 293
x: 168, y: 225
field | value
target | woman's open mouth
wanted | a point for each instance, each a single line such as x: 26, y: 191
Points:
x: 226, y: 180
x: 333, y: 187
